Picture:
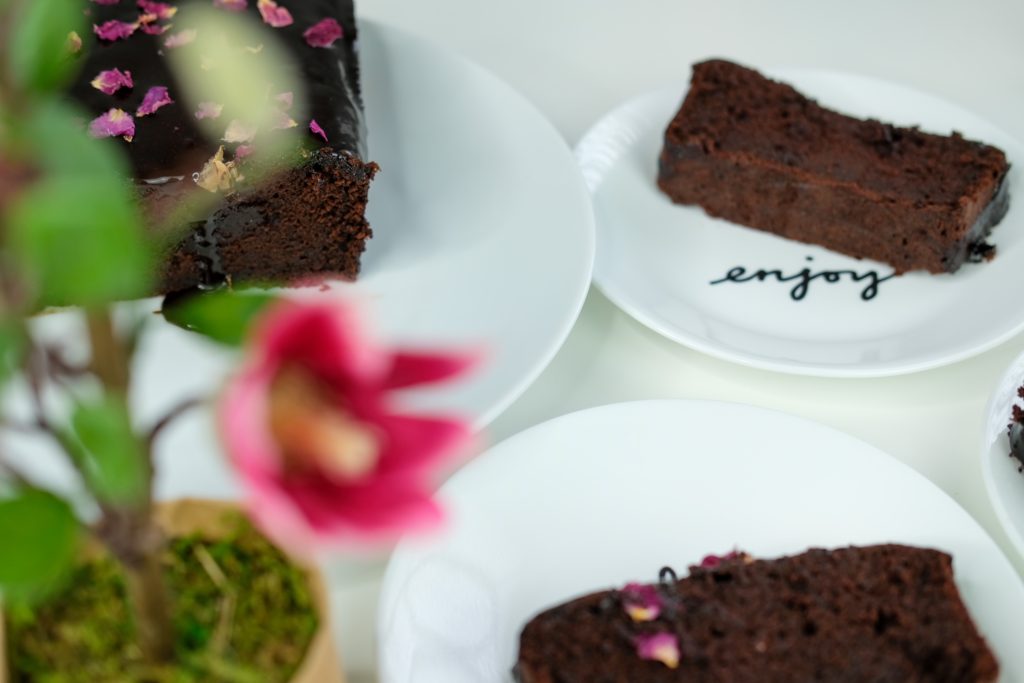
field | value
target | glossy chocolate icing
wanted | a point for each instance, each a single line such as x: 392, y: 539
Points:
x: 169, y: 143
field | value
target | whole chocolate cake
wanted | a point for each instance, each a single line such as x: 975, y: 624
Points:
x: 307, y: 218
x: 756, y: 152
x: 885, y: 614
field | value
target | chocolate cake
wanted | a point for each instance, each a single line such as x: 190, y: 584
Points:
x: 885, y: 614
x: 1015, y: 432
x: 306, y: 219
x: 756, y: 152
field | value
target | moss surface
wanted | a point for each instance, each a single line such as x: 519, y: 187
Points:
x: 243, y: 614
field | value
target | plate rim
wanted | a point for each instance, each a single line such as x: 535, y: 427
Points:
x: 407, y: 552
x: 987, y: 454
x: 627, y: 303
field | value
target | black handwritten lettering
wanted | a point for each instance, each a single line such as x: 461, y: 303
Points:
x: 803, y: 279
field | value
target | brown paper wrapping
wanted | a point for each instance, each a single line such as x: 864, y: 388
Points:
x: 185, y: 516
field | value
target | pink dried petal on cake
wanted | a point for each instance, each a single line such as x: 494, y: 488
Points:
x: 155, y: 98
x: 110, y: 81
x: 315, y: 128
x: 273, y: 14
x: 659, y: 647
x: 180, y: 38
x: 74, y: 42
x: 712, y: 561
x: 155, y: 29
x: 114, y: 30
x: 115, y: 122
x: 161, y: 9
x: 287, y: 99
x: 283, y: 122
x: 323, y: 33
x: 641, y: 602
x: 238, y: 131
x: 209, y: 110
x: 242, y: 151
x: 233, y: 5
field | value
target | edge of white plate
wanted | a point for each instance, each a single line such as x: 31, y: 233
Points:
x: 625, y: 304
x: 1013, y: 374
x: 589, y: 238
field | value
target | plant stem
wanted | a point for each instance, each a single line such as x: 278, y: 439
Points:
x: 109, y: 360
x: 147, y: 594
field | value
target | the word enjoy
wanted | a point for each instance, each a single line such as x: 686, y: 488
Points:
x: 802, y: 279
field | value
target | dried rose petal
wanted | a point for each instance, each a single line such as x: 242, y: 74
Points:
x: 110, y: 81
x: 239, y: 132
x: 242, y: 151
x: 114, y: 30
x: 323, y: 33
x: 659, y: 647
x: 155, y: 98
x: 233, y: 5
x: 155, y: 29
x: 74, y: 42
x: 273, y: 14
x: 115, y: 122
x: 161, y: 9
x: 209, y: 110
x: 180, y: 38
x: 712, y: 561
x: 286, y: 99
x: 284, y: 121
x: 315, y: 128
x: 641, y: 602
x: 216, y: 175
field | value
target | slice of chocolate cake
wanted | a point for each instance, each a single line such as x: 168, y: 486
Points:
x: 304, y: 220
x: 1015, y: 432
x: 885, y: 614
x: 757, y: 152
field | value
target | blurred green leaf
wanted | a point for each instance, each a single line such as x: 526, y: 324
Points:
x: 59, y: 144
x: 113, y: 456
x: 12, y: 346
x: 79, y: 240
x: 38, y: 54
x: 39, y: 537
x: 221, y: 315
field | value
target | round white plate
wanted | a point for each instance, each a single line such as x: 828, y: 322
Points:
x: 656, y: 260
x: 1004, y: 483
x: 483, y: 241
x: 598, y: 498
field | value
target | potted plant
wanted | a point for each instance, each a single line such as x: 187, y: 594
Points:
x: 124, y: 587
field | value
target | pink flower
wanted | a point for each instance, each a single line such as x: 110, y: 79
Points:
x: 315, y: 128
x: 712, y: 561
x: 641, y: 602
x: 114, y: 30
x: 233, y: 5
x: 160, y: 9
x: 659, y: 647
x: 155, y: 98
x: 115, y: 122
x: 180, y: 38
x: 311, y: 425
x: 323, y: 33
x: 154, y: 29
x: 273, y: 14
x: 110, y: 81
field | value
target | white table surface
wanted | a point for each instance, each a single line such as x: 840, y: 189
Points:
x: 577, y: 59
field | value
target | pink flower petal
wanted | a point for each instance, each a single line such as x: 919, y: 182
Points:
x: 209, y: 110
x: 180, y: 38
x: 273, y: 14
x: 74, y: 42
x: 284, y: 122
x: 641, y: 602
x: 712, y: 561
x: 410, y: 369
x: 242, y: 151
x: 155, y: 98
x: 110, y: 81
x: 155, y: 29
x: 286, y: 99
x: 315, y: 128
x: 161, y: 9
x: 659, y: 647
x: 323, y: 33
x: 112, y: 124
x: 233, y: 5
x: 114, y: 30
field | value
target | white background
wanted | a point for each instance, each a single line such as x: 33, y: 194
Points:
x: 577, y: 59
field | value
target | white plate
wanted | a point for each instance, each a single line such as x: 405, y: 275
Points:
x: 1004, y: 483
x: 656, y: 259
x: 484, y: 240
x: 609, y: 495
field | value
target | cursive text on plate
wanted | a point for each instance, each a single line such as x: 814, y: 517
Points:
x: 802, y: 279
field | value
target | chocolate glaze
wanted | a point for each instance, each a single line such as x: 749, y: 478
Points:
x: 169, y: 142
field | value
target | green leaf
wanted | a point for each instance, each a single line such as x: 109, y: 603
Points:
x: 38, y: 53
x: 79, y: 240
x: 221, y: 315
x: 113, y: 456
x: 59, y: 144
x: 39, y: 537
x: 12, y: 347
